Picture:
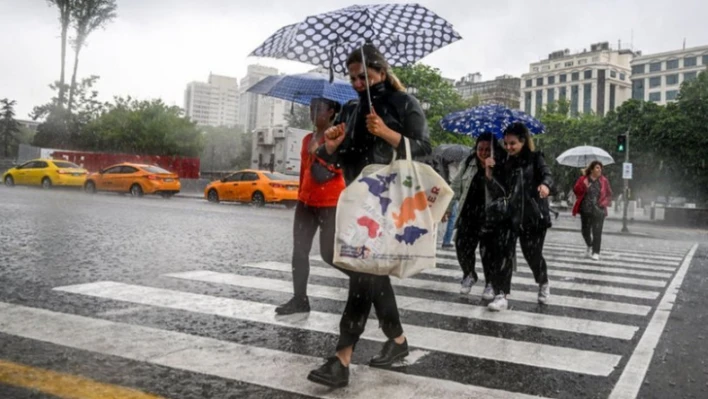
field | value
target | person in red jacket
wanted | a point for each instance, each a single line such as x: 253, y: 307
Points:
x: 320, y: 187
x: 594, y: 195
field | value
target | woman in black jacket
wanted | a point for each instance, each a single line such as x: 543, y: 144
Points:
x: 362, y: 136
x: 528, y: 180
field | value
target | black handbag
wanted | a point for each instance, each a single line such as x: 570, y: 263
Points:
x: 321, y: 173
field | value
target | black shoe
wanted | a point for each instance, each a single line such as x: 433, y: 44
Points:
x: 333, y: 374
x: 447, y: 246
x: 390, y: 353
x: 295, y: 305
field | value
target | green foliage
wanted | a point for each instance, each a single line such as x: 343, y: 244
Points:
x: 441, y: 97
x: 225, y: 149
x: 142, y: 127
x: 299, y: 118
x: 9, y: 128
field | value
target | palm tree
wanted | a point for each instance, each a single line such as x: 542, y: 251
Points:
x: 65, y: 8
x: 88, y: 15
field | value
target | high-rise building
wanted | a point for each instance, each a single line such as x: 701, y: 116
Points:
x: 658, y: 77
x: 503, y: 89
x: 257, y: 111
x: 215, y: 103
x: 594, y: 81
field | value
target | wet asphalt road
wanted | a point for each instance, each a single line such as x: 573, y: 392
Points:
x: 67, y: 238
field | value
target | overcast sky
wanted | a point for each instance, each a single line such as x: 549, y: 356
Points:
x: 155, y: 47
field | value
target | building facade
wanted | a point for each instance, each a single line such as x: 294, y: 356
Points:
x: 503, y: 89
x: 595, y: 81
x: 215, y: 103
x: 257, y: 111
x: 658, y: 77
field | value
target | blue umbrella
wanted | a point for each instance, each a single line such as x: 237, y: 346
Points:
x: 302, y: 88
x: 492, y: 118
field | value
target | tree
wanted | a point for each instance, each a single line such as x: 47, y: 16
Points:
x: 65, y: 8
x: 142, y: 127
x: 299, y: 118
x: 441, y: 97
x: 9, y: 128
x: 224, y: 149
x: 88, y: 15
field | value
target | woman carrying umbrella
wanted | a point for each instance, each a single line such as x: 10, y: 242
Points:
x: 470, y: 191
x: 367, y: 133
x: 320, y: 187
x: 594, y: 195
x: 528, y: 181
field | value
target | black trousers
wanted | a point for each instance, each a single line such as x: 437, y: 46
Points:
x: 497, y: 251
x: 466, y: 242
x: 365, y: 290
x: 307, y: 220
x: 531, y: 240
x: 591, y: 227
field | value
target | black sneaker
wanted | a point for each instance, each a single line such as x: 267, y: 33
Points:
x: 390, y: 353
x: 295, y: 305
x: 447, y: 246
x: 332, y: 374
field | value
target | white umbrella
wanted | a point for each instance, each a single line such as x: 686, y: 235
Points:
x: 580, y: 157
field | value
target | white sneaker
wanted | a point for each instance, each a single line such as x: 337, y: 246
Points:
x: 588, y: 253
x: 544, y: 292
x: 488, y: 293
x: 498, y: 304
x: 466, y: 285
x: 595, y: 257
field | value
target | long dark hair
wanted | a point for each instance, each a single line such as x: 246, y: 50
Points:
x: 376, y: 61
x: 520, y: 130
x: 592, y: 166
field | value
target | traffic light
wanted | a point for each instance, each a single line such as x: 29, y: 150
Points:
x: 621, y: 143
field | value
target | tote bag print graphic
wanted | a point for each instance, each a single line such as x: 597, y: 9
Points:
x: 387, y: 218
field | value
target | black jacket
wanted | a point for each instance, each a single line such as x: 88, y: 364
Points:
x: 521, y: 176
x: 400, y: 112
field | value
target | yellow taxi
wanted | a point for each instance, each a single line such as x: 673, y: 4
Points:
x: 258, y: 187
x: 135, y: 179
x: 46, y: 173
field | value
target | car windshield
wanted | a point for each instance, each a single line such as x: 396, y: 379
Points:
x: 154, y: 169
x: 68, y: 165
x: 279, y: 176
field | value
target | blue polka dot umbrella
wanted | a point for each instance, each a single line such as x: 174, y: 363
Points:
x: 492, y: 118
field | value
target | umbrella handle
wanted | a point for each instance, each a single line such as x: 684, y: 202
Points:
x: 366, y: 77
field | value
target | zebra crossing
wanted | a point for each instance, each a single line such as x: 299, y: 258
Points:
x: 594, y: 338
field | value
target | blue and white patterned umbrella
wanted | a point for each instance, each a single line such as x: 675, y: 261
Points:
x: 302, y: 88
x: 403, y: 33
x: 493, y: 118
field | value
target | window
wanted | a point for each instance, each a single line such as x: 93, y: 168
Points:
x: 558, y: 65
x: 613, y: 96
x: 527, y: 102
x: 623, y: 76
x: 535, y: 69
x: 672, y: 79
x: 689, y: 76
x: 672, y: 64
x: 126, y: 170
x: 562, y: 93
x: 587, y: 98
x: 279, y: 176
x: 551, y: 96
x: 613, y: 74
x: 638, y: 89
x: 155, y: 169
x: 563, y: 78
x: 545, y: 67
x: 575, y: 76
x: 529, y: 82
x: 249, y: 176
x: 671, y: 95
x: 689, y: 62
x: 68, y: 165
x: 655, y: 82
x: 539, y: 100
x: 114, y: 170
x: 596, y: 58
x: 539, y: 82
x: 583, y: 61
x: 588, y: 74
x: 570, y: 63
x: 574, y: 100
x: 551, y: 80
x: 705, y: 59
x: 655, y: 97
x: 655, y: 67
x: 636, y: 69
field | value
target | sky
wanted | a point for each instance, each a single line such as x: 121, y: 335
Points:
x: 155, y: 47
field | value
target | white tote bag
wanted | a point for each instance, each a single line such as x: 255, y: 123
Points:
x: 387, y: 218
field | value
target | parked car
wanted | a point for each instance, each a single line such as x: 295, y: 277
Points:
x: 46, y: 173
x: 258, y: 187
x: 135, y: 179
